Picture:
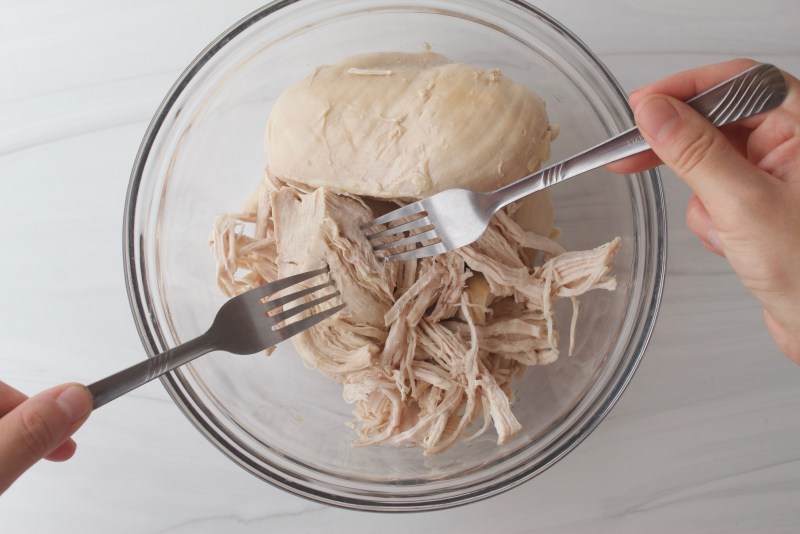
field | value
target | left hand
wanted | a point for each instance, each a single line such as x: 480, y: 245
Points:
x: 39, y: 427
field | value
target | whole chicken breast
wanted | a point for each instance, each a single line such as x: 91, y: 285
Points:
x: 406, y: 125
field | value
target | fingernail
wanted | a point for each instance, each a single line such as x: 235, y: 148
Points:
x: 75, y: 402
x: 655, y: 116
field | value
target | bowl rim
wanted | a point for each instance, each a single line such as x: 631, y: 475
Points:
x: 151, y: 336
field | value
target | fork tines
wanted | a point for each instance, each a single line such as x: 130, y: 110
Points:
x: 303, y: 324
x: 279, y: 319
x: 400, y: 234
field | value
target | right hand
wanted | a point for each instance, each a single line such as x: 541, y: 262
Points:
x: 746, y: 183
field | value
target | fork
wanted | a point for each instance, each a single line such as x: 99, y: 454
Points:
x: 242, y: 326
x: 457, y: 217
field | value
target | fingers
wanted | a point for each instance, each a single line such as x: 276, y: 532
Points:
x: 736, y: 134
x: 37, y: 427
x: 746, y: 181
x: 788, y: 344
x: 701, y: 155
x: 63, y: 452
x: 681, y: 86
x: 687, y: 84
x: 638, y: 163
x: 775, y: 145
x: 699, y: 222
x: 10, y: 398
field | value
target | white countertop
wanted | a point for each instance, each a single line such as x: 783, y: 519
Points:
x: 705, y: 439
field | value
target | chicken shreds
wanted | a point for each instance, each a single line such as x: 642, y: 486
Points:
x: 427, y: 349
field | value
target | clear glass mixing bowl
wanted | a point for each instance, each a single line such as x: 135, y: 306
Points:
x: 202, y: 156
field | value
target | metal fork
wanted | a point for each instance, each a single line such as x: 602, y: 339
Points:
x: 242, y: 326
x: 457, y: 217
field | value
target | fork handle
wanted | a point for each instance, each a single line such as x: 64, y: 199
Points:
x: 122, y: 382
x: 753, y: 91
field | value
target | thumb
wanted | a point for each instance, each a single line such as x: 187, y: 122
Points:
x: 702, y: 156
x: 38, y: 426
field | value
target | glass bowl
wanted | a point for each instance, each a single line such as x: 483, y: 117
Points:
x: 202, y: 156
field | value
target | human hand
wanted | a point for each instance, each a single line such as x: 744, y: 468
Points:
x: 746, y: 183
x: 39, y: 427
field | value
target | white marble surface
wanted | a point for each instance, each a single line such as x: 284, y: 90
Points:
x: 706, y: 439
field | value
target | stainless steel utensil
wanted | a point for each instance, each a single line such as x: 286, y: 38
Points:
x: 457, y: 217
x: 243, y: 325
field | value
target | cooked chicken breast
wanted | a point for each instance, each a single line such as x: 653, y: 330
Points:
x: 425, y: 350
x: 406, y: 125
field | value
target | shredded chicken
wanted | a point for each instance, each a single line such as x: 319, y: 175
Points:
x: 422, y: 355
x: 426, y: 350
